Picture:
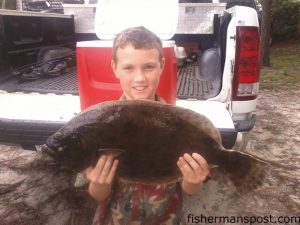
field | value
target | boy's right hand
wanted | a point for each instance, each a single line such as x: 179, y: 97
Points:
x: 104, y: 171
x: 101, y: 177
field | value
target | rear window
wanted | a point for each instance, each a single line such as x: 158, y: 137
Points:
x: 231, y: 3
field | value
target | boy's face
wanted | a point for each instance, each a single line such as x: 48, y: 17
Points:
x: 139, y: 72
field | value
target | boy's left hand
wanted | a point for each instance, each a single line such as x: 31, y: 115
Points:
x: 194, y: 169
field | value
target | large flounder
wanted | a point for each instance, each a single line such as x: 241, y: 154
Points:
x: 152, y: 136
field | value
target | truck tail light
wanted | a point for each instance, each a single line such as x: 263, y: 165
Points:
x: 247, y: 68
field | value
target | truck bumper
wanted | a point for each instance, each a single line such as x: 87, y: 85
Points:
x: 245, y: 125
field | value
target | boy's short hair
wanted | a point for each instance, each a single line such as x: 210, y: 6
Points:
x: 139, y: 38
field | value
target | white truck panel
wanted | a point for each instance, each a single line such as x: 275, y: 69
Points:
x: 216, y: 112
x: 54, y: 108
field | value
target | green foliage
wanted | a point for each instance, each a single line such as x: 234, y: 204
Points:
x: 285, y: 70
x: 285, y: 18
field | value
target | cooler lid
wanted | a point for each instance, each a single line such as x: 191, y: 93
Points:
x: 113, y: 16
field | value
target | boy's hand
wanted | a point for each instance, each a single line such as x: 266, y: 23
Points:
x: 101, y: 177
x: 104, y: 171
x: 194, y: 169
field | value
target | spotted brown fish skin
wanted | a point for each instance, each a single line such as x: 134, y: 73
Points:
x: 153, y: 136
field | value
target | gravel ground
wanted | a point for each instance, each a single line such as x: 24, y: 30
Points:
x: 275, y: 137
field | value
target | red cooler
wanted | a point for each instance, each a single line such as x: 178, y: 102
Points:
x: 96, y: 79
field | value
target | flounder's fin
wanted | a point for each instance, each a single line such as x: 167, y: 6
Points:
x: 246, y: 171
x: 111, y: 151
x: 212, y: 166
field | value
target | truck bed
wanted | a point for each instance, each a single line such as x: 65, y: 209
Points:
x: 63, y: 84
x: 190, y: 83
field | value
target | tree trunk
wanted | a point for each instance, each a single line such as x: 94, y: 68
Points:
x: 265, y: 33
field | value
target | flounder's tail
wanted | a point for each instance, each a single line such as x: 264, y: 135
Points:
x: 246, y: 171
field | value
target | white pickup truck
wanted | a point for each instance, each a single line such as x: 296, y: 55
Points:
x: 218, y: 70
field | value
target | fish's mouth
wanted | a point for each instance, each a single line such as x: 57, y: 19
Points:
x: 45, y: 149
x: 50, y: 151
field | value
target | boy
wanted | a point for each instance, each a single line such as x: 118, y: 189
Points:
x: 138, y: 62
